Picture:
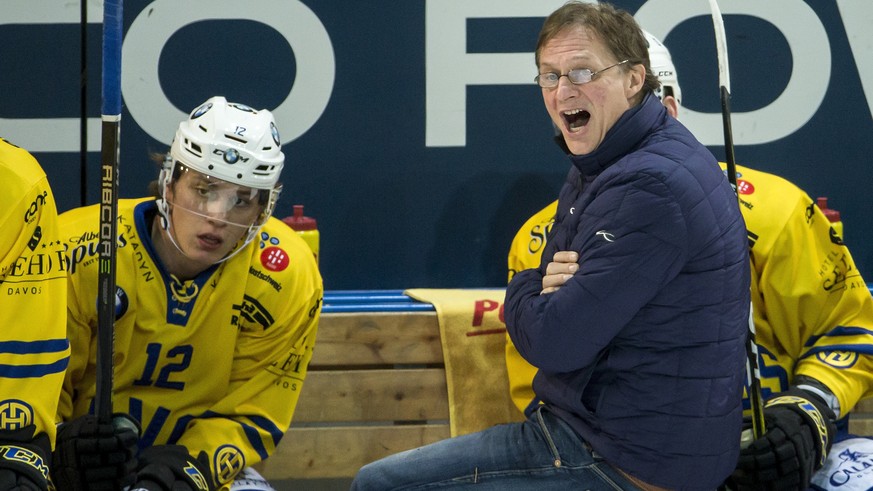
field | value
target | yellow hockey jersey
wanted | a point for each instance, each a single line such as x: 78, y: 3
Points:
x: 215, y: 364
x: 813, y: 312
x: 34, y: 351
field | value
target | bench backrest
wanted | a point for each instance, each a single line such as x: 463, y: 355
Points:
x: 376, y: 386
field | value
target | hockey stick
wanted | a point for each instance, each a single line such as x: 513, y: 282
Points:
x: 111, y: 131
x: 753, y: 373
x: 83, y: 104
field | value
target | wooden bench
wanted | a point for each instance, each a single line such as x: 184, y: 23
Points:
x: 377, y: 386
x: 861, y: 422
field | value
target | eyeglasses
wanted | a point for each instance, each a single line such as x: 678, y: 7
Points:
x: 578, y: 76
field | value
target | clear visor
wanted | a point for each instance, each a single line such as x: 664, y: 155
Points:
x: 216, y: 199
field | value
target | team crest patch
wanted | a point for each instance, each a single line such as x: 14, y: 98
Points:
x: 838, y: 359
x: 228, y: 462
x: 15, y: 414
x: 745, y: 187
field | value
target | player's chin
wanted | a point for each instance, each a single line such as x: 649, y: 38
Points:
x: 207, y: 256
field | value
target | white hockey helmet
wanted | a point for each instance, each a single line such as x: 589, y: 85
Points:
x: 232, y: 143
x: 663, y: 68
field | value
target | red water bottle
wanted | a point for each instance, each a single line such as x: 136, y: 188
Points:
x: 306, y: 227
x: 833, y: 215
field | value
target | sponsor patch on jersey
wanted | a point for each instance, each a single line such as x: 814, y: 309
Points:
x: 835, y: 237
x: 121, y: 302
x: 228, y: 462
x: 15, y: 414
x: 32, y: 212
x: 268, y: 239
x: 274, y: 258
x: 745, y: 187
x: 265, y: 277
x: 250, y: 311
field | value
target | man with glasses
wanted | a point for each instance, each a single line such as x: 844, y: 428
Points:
x: 646, y: 283
x: 813, y: 315
x: 217, y: 306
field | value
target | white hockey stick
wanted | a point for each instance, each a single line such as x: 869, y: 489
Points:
x: 753, y: 373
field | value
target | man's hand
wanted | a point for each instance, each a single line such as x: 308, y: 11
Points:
x: 800, y: 432
x: 170, y: 467
x: 558, y: 272
x: 23, y: 464
x: 90, y: 455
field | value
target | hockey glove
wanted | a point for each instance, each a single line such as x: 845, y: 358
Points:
x: 23, y: 460
x: 90, y: 455
x: 799, y: 433
x: 171, y: 468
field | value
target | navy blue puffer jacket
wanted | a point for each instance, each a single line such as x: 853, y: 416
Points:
x: 642, y: 352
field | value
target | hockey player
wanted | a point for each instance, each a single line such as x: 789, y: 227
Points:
x: 217, y: 306
x: 813, y: 315
x: 34, y: 351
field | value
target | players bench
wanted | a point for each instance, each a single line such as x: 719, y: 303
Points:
x: 377, y: 386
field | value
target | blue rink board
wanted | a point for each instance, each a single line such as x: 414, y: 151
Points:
x: 337, y: 301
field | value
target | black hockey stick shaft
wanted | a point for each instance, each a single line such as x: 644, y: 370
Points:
x: 83, y: 104
x: 111, y: 132
x: 753, y: 373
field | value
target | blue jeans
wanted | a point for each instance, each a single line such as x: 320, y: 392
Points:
x: 542, y: 453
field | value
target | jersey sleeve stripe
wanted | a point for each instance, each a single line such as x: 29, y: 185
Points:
x: 34, y: 370
x: 268, y: 426
x: 254, y: 438
x: 34, y: 347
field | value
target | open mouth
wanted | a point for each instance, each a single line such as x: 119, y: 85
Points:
x: 576, y: 118
x: 210, y: 241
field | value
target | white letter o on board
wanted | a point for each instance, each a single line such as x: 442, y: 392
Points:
x: 146, y: 37
x: 806, y: 87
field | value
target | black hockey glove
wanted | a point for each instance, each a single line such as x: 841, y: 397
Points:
x: 95, y: 456
x: 171, y: 468
x: 24, y: 460
x: 799, y: 433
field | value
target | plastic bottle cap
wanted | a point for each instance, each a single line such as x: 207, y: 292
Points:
x: 833, y: 215
x: 299, y: 222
